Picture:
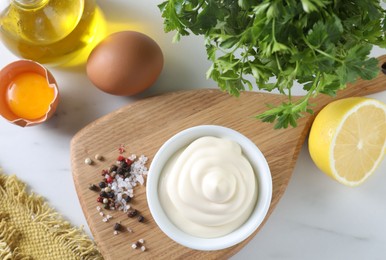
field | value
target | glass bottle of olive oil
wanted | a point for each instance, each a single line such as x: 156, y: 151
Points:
x: 51, y: 31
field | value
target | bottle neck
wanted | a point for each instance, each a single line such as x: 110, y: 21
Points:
x: 29, y: 4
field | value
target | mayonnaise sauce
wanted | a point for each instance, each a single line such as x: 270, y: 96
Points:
x: 209, y: 188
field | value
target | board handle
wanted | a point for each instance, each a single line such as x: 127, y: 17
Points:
x: 360, y: 87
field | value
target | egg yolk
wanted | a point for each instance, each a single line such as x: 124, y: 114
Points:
x: 29, y: 95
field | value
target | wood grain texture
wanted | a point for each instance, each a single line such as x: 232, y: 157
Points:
x: 146, y: 124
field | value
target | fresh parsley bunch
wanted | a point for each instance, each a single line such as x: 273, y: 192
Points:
x: 322, y: 44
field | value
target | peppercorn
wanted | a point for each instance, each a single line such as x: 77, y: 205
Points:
x: 120, y: 158
x: 98, y: 157
x: 104, y: 172
x: 102, y: 184
x: 121, y: 171
x: 132, y: 213
x: 110, y: 195
x: 93, y: 187
x: 117, y: 227
x: 128, y: 162
x: 123, y: 168
x: 88, y: 161
x: 127, y: 199
x: 113, y: 168
x: 105, y: 201
x: 124, y: 164
x: 103, y: 194
x: 121, y: 149
x: 107, y: 189
x: 109, y: 179
x: 141, y: 218
x: 112, y: 174
x: 100, y: 199
x: 106, y: 206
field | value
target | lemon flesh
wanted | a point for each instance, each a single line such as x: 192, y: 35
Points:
x: 348, y: 139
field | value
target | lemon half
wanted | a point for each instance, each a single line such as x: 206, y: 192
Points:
x: 347, y: 140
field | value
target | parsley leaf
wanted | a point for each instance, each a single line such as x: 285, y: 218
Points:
x: 322, y: 44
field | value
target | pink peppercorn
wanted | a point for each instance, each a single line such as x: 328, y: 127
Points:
x: 128, y: 161
x: 120, y: 158
x: 121, y: 149
x: 109, y: 179
x: 100, y: 199
x: 104, y: 172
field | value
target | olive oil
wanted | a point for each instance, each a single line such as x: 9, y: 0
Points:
x: 51, y: 31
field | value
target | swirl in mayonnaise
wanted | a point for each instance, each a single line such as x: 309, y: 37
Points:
x: 209, y: 188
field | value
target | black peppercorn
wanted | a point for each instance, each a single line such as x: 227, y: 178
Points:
x: 102, y: 184
x: 117, y: 227
x: 93, y: 187
x: 127, y: 174
x: 124, y: 169
x: 141, y: 218
x: 106, y: 206
x: 110, y: 195
x: 132, y: 213
x: 127, y: 199
x: 124, y: 164
x: 121, y: 171
x: 103, y: 194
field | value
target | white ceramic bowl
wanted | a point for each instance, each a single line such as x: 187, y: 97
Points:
x: 257, y: 161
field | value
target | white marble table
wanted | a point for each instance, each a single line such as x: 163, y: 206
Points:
x: 317, y: 218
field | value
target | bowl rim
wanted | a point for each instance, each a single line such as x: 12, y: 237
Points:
x: 262, y: 172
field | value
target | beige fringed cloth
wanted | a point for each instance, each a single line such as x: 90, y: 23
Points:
x: 30, y: 229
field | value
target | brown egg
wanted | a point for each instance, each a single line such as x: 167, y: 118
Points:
x: 125, y: 63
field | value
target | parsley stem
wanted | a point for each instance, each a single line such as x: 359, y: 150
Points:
x: 302, y: 103
x: 329, y: 56
x: 278, y: 63
x: 320, y: 51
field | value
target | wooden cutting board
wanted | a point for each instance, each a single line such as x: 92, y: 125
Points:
x: 146, y: 124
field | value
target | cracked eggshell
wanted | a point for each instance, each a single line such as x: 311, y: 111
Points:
x: 8, y: 73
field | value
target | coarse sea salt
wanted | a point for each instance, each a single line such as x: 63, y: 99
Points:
x: 125, y: 186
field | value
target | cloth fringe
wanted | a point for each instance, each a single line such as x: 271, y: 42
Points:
x: 67, y: 237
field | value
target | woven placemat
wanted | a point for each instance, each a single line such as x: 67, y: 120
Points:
x: 30, y: 229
